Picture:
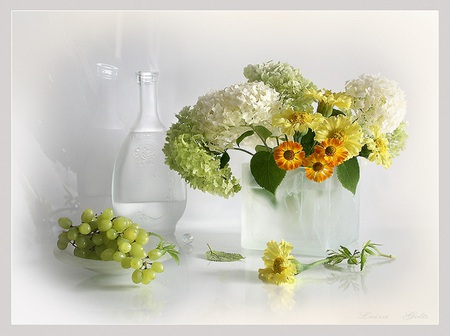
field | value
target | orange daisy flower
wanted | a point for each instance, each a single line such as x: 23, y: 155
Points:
x: 332, y: 150
x: 317, y: 168
x: 289, y: 155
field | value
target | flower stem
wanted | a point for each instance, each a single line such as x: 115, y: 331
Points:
x: 242, y: 150
x: 262, y: 139
x: 303, y: 267
x: 315, y: 263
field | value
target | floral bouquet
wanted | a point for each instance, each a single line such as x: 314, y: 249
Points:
x: 283, y: 121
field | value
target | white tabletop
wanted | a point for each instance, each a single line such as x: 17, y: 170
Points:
x: 388, y: 292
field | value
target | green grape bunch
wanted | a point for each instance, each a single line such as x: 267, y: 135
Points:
x: 108, y: 237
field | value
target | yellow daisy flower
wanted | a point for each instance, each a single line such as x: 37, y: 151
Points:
x: 279, y: 267
x: 332, y: 150
x: 317, y: 168
x: 290, y: 121
x: 342, y: 128
x: 327, y: 100
x: 379, y: 148
x: 289, y: 155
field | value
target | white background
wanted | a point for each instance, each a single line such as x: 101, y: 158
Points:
x: 53, y: 82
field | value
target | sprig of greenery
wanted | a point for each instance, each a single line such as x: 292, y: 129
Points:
x: 167, y: 247
x: 221, y: 256
x: 356, y: 257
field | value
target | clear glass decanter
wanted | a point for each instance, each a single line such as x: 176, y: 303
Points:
x: 100, y: 139
x: 144, y: 188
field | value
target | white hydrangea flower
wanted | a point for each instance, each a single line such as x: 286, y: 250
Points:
x: 225, y: 114
x: 377, y: 101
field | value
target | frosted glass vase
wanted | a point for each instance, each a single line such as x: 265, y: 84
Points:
x: 313, y: 216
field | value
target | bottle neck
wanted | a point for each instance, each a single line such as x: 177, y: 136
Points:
x: 148, y: 119
x: 106, y: 116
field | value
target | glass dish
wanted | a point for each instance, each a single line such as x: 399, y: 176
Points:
x: 99, y: 266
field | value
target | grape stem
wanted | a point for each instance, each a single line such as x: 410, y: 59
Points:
x: 161, y: 239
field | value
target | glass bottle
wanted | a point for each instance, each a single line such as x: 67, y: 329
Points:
x: 144, y: 188
x: 100, y: 139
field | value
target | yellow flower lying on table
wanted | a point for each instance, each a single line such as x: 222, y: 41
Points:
x: 278, y: 261
x: 281, y: 266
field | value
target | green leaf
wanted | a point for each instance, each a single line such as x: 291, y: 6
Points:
x: 167, y: 247
x: 175, y: 255
x: 363, y: 259
x: 221, y: 256
x: 348, y: 174
x: 336, y: 112
x: 357, y: 257
x: 262, y: 132
x: 224, y: 159
x: 365, y: 152
x: 346, y: 251
x: 243, y: 136
x: 266, y: 172
x: 308, y: 143
x: 371, y: 248
x: 261, y: 148
x: 171, y: 249
x: 352, y: 261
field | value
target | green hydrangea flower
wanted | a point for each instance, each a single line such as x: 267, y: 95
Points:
x: 285, y: 79
x: 201, y: 169
x: 397, y: 140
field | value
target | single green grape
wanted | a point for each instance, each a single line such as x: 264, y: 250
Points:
x: 108, y: 214
x: 142, y: 237
x: 84, y: 228
x: 72, y: 234
x: 62, y: 245
x: 120, y: 224
x: 118, y: 256
x: 145, y: 281
x: 111, y: 234
x: 135, y: 226
x: 121, y: 240
x: 65, y: 222
x: 82, y: 242
x: 93, y: 224
x: 148, y: 275
x: 104, y: 225
x: 124, y: 246
x: 97, y: 239
x: 136, y: 263
x: 107, y: 254
x: 63, y: 237
x: 126, y: 262
x: 158, y: 267
x: 155, y: 254
x: 80, y: 253
x: 136, y: 277
x: 87, y: 215
x: 137, y: 250
x: 130, y: 233
x: 99, y: 250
